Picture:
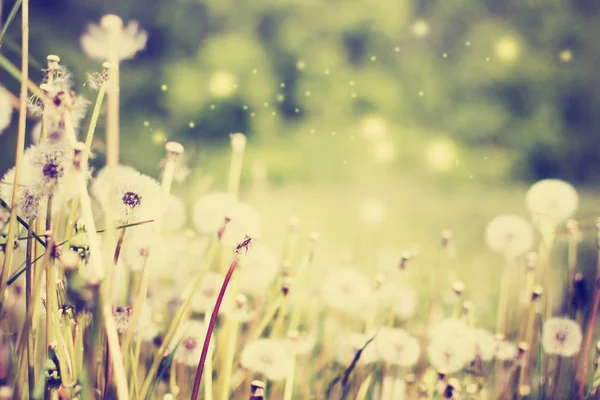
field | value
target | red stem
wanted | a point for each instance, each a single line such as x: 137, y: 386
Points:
x: 211, y: 327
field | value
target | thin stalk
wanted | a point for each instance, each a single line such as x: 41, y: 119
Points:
x: 227, y: 364
x: 12, y: 225
x: 556, y: 377
x: 213, y: 319
x: 572, y: 263
x: 288, y: 391
x: 437, y: 281
x: 268, y: 317
x: 208, y: 382
x: 503, y: 299
x: 584, y: 365
x: 28, y: 305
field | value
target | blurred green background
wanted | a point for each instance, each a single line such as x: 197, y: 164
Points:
x: 433, y: 113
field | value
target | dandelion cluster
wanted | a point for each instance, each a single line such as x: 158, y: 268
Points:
x: 170, y: 298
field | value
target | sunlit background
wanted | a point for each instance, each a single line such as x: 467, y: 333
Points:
x: 377, y: 123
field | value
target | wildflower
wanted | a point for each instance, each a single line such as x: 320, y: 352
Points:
x: 138, y: 198
x: 29, y: 205
x: 258, y: 269
x: 243, y: 221
x: 267, y: 357
x: 100, y: 182
x: 111, y: 38
x: 205, y: 297
x: 350, y: 343
x: 299, y: 343
x: 210, y: 211
x: 122, y: 316
x: 449, y: 354
x: 137, y: 247
x: 561, y: 336
x: 505, y: 351
x: 397, y: 347
x: 346, y: 289
x: 551, y: 202
x: 61, y: 100
x: 49, y: 162
x: 485, y: 344
x: 240, y: 310
x: 189, y: 341
x: 6, y: 109
x: 175, y: 214
x: 509, y: 234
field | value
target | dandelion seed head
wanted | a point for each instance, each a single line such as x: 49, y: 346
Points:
x: 397, y: 347
x: 190, y: 337
x: 6, y: 109
x: 258, y: 269
x: 551, y: 202
x: 346, y: 289
x: 267, y: 357
x: 509, y: 234
x: 112, y: 37
x: 561, y: 336
x: 349, y: 343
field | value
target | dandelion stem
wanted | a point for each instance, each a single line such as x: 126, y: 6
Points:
x: 289, y: 380
x: 227, y: 365
x: 28, y: 305
x: 556, y: 377
x: 211, y: 326
x: 583, y: 367
x: 208, y: 386
x: 12, y: 225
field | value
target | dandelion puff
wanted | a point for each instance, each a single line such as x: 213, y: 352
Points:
x: 449, y: 354
x: 189, y: 340
x: 6, y: 109
x: 244, y: 221
x: 561, y: 336
x: 405, y: 304
x: 210, y: 211
x: 30, y: 196
x: 100, y: 183
x: 239, y: 310
x: 397, y: 347
x: 175, y: 214
x: 50, y: 162
x: 509, y: 233
x: 267, y: 357
x: 350, y: 343
x: 346, y: 289
x: 485, y: 344
x: 122, y: 316
x: 505, y: 351
x: 258, y: 269
x: 300, y: 343
x: 98, y: 39
x: 138, y: 198
x: 204, y: 299
x: 551, y: 202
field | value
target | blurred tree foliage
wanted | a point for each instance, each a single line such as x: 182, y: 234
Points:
x: 516, y: 76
